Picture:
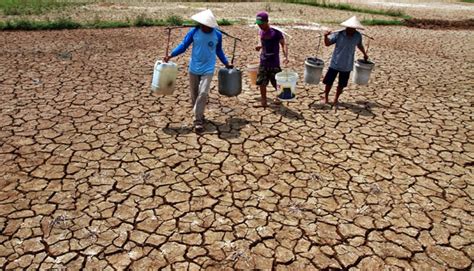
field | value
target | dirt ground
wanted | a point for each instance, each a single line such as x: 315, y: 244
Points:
x: 99, y: 174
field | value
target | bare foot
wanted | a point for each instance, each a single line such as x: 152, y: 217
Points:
x: 326, y: 101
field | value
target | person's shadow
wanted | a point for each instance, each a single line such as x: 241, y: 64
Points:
x: 230, y: 129
x: 363, y: 108
x: 280, y: 108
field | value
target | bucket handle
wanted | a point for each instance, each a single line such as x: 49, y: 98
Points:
x: 233, y: 52
x: 367, y: 49
x: 235, y: 44
x: 168, y: 42
x: 319, y: 44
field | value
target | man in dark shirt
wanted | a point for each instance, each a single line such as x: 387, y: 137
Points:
x: 270, y: 41
x: 342, y: 60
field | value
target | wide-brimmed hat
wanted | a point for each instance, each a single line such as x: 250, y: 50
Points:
x: 206, y: 18
x: 352, y: 22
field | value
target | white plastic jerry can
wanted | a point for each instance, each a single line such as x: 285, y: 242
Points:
x: 164, y: 77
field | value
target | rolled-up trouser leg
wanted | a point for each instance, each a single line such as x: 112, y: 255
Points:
x: 201, y: 100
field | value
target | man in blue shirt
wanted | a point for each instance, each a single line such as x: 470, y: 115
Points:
x: 342, y: 60
x: 207, y: 43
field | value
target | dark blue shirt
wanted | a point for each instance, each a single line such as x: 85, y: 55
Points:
x: 343, y: 55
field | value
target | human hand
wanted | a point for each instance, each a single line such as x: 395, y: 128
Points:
x: 229, y: 66
x: 166, y: 59
x: 286, y: 61
x: 366, y: 57
x: 258, y: 48
x: 327, y: 33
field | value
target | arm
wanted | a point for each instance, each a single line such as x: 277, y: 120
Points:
x: 259, y: 41
x: 328, y: 41
x: 220, y: 52
x: 361, y: 48
x: 181, y: 48
x: 284, y: 48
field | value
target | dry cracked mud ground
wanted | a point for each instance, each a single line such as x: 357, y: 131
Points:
x: 99, y: 174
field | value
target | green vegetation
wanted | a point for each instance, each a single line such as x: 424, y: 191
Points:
x: 382, y: 22
x: 67, y: 23
x: 174, y: 20
x: 142, y: 20
x: 343, y: 6
x: 34, y: 7
x: 105, y: 24
x: 224, y: 22
x: 468, y: 1
x: 24, y: 24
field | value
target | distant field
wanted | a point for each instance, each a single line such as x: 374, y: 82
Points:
x: 66, y: 14
x: 30, y: 7
x: 36, y: 7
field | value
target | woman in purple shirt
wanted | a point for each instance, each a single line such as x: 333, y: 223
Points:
x: 270, y: 40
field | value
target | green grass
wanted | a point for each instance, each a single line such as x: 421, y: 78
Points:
x: 175, y: 20
x: 67, y: 23
x: 106, y: 24
x: 382, y: 22
x: 34, y: 7
x: 344, y: 6
x: 222, y: 22
x: 468, y: 1
x: 24, y: 24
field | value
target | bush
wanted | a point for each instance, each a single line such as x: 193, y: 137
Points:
x: 142, y: 20
x: 174, y: 20
x: 23, y: 24
x: 224, y: 22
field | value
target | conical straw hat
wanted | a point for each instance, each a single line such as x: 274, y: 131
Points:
x: 206, y: 18
x: 352, y: 22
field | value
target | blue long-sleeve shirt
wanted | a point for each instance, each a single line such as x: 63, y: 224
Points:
x: 205, y: 48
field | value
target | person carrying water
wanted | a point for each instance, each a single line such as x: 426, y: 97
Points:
x: 207, y: 43
x: 270, y: 41
x: 342, y: 60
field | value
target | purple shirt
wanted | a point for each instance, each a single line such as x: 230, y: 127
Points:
x: 270, y: 54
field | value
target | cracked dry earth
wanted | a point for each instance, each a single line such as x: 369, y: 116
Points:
x: 98, y: 174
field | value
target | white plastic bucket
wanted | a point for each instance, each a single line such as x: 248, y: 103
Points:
x: 286, y: 81
x: 362, y: 71
x: 252, y: 69
x: 164, y: 77
x: 313, y: 70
